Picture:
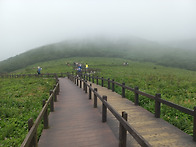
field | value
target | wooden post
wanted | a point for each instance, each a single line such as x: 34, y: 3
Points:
x: 80, y: 83
x: 194, y: 124
x: 52, y: 102
x: 56, y: 76
x: 34, y: 139
x: 102, y: 81
x: 123, y: 90
x: 58, y: 89
x: 85, y: 86
x: 123, y: 132
x: 55, y: 93
x: 136, y: 96
x: 97, y: 80
x: 108, y: 83
x: 157, y: 105
x: 89, y: 77
x: 104, y: 110
x: 45, y: 117
x: 90, y: 91
x: 77, y: 81
x: 95, y: 98
x: 113, y: 85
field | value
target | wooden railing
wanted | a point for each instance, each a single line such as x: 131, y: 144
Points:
x: 31, y: 137
x: 33, y: 75
x: 156, y: 97
x: 124, y: 125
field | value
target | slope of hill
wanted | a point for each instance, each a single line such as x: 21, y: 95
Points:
x: 128, y: 48
x: 188, y: 44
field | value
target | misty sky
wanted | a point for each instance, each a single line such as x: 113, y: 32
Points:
x: 26, y: 24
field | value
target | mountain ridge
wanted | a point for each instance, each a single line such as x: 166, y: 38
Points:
x: 129, y: 48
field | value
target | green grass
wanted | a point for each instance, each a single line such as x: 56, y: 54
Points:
x: 175, y: 85
x: 20, y: 100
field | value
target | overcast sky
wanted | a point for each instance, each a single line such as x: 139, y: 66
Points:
x: 26, y: 24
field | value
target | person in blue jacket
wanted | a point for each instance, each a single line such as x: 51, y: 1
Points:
x: 79, y: 70
x: 39, y: 70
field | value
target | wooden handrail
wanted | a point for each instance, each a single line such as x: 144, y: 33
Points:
x: 31, y: 75
x: 123, y: 122
x: 33, y: 129
x: 167, y: 103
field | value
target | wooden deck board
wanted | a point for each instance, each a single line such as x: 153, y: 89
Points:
x: 155, y: 130
x: 75, y: 123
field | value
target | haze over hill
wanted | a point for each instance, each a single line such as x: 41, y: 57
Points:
x: 25, y: 25
x: 187, y: 44
x: 129, y: 48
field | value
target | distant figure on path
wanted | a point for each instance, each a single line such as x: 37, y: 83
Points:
x: 86, y: 67
x: 39, y: 70
x: 125, y: 63
x: 79, y: 70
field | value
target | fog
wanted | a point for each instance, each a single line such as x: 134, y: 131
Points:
x: 28, y: 24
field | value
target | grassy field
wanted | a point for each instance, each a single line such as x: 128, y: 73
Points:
x: 175, y: 85
x: 20, y: 100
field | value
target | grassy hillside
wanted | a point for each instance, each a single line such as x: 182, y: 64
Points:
x: 175, y: 85
x: 132, y: 48
x: 20, y: 100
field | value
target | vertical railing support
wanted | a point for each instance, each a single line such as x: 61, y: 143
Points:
x: 52, y: 102
x: 104, y: 110
x: 89, y: 77
x: 90, y: 91
x: 157, y: 105
x: 93, y: 79
x: 136, y: 96
x: 77, y: 80
x: 108, y: 83
x: 55, y: 94
x: 34, y: 139
x: 123, y: 132
x: 102, y: 81
x: 80, y: 82
x: 58, y: 89
x: 123, y: 90
x: 45, y: 117
x: 85, y: 86
x: 95, y: 98
x: 194, y: 124
x: 113, y: 85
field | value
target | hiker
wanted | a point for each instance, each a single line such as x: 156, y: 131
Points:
x: 39, y: 70
x: 79, y: 70
x: 125, y: 63
x: 86, y: 67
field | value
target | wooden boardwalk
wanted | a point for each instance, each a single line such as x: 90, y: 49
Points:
x: 156, y: 131
x: 75, y: 123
